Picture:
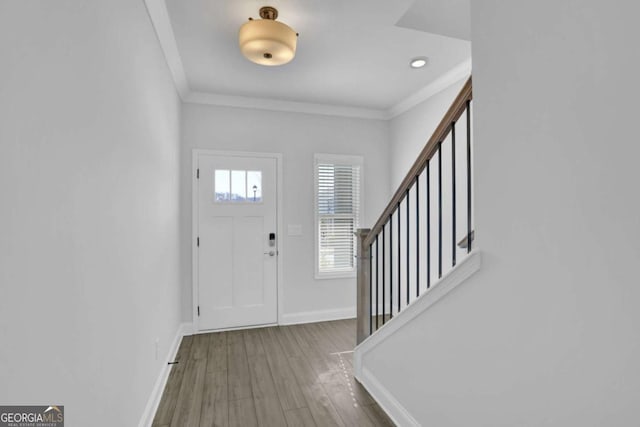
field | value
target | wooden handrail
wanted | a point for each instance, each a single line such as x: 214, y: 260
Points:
x: 453, y: 114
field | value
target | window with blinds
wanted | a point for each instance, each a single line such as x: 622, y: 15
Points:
x: 338, y: 182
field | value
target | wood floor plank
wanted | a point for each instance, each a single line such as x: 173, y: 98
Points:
x: 269, y: 412
x: 200, y: 346
x: 169, y: 397
x: 216, y: 386
x: 344, y: 337
x: 336, y: 341
x: 300, y: 417
x: 288, y: 341
x: 348, y: 357
x: 234, y: 337
x: 350, y: 411
x: 336, y: 382
x: 320, y: 406
x: 262, y: 384
x: 324, y: 346
x: 290, y: 375
x: 217, y: 354
x: 302, y: 370
x: 215, y: 413
x: 348, y: 326
x: 253, y: 343
x: 285, y: 381
x: 265, y: 397
x: 215, y: 405
x: 351, y: 326
x: 344, y: 359
x: 378, y: 416
x: 167, y: 405
x: 242, y: 413
x: 239, y: 380
x: 189, y: 403
x: 316, y: 359
x: 185, y: 348
x: 361, y: 393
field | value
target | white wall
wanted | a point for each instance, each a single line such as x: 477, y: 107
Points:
x: 89, y: 166
x: 410, y: 131
x: 297, y: 137
x: 547, y: 332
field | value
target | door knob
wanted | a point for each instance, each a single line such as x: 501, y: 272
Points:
x: 270, y: 253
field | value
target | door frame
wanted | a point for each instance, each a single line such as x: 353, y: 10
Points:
x: 196, y: 152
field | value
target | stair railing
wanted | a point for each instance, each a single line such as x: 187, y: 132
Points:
x: 415, y: 240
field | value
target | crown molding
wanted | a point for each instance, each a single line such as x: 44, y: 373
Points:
x: 460, y: 72
x: 208, y: 98
x: 157, y: 10
x: 159, y: 15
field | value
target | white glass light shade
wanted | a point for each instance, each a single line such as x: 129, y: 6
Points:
x: 267, y: 42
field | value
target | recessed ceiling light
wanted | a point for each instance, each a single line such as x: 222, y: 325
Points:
x: 418, y: 62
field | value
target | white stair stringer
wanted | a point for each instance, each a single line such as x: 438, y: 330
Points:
x: 394, y: 408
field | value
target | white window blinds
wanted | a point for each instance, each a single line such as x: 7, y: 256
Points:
x: 338, y: 182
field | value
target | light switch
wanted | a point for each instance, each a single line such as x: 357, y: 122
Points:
x: 294, y: 230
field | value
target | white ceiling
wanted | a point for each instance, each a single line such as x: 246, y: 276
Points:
x: 446, y: 17
x: 351, y: 53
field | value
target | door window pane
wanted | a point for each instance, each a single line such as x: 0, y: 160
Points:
x: 254, y: 186
x: 222, y: 185
x: 238, y: 186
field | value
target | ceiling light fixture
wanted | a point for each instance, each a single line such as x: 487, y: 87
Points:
x: 266, y: 41
x: 418, y: 62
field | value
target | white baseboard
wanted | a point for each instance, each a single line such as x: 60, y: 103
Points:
x: 318, y: 316
x: 156, y: 393
x: 235, y: 328
x: 387, y: 401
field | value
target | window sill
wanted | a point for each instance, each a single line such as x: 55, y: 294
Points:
x: 330, y: 276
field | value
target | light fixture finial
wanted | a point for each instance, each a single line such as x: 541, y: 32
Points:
x: 268, y: 12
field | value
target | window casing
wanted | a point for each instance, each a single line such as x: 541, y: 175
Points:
x: 338, y: 213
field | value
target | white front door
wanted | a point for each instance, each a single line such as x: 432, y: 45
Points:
x: 237, y: 245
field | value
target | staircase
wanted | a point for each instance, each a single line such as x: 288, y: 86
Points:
x: 421, y: 247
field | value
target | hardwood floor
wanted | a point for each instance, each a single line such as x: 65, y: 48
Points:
x: 300, y: 375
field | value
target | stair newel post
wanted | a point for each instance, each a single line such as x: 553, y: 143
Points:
x: 363, y: 266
